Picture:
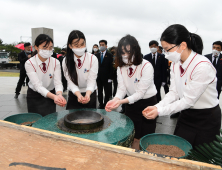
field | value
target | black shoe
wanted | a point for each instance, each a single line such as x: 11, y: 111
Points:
x: 101, y: 107
x: 23, y: 84
x: 175, y: 115
x: 122, y: 111
x: 16, y: 96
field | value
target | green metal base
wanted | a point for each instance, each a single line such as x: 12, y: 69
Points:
x: 119, y: 132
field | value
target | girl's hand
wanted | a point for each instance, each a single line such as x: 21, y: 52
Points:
x: 150, y: 112
x: 80, y: 98
x: 86, y: 99
x: 112, y: 104
x: 58, y: 101
x: 62, y: 99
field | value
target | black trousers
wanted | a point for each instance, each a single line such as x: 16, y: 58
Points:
x: 142, y: 125
x: 74, y: 104
x: 166, y: 88
x: 199, y: 126
x: 158, y: 96
x: 103, y: 85
x: 110, y: 89
x: 115, y: 83
x: 39, y: 104
x: 218, y: 89
x: 22, y: 77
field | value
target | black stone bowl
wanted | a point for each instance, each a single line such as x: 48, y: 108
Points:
x: 83, y: 120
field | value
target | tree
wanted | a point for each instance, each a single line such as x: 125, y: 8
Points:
x: 57, y: 50
x: 1, y: 42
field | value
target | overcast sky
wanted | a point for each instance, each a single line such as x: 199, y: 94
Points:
x: 111, y: 20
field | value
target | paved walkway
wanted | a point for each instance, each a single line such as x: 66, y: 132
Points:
x: 10, y: 106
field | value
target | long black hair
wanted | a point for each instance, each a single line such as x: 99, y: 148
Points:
x: 41, y: 39
x: 176, y: 34
x: 70, y: 63
x: 134, y: 50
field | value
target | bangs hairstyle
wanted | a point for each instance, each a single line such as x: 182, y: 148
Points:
x: 134, y: 50
x: 70, y: 63
x: 41, y: 39
x: 176, y: 34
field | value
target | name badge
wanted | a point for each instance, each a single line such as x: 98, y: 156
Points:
x: 50, y: 76
x: 136, y: 80
x: 85, y: 70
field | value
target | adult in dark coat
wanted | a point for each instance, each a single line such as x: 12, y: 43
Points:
x: 105, y: 73
x: 159, y: 65
x: 64, y: 81
x: 23, y: 57
x: 216, y: 58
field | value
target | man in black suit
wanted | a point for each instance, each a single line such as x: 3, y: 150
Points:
x: 159, y: 65
x: 166, y: 86
x: 216, y: 58
x: 105, y: 73
x: 23, y: 57
x: 64, y: 81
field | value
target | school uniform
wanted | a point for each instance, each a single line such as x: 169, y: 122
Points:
x: 193, y: 92
x: 87, y: 69
x: 137, y: 83
x: 44, y: 77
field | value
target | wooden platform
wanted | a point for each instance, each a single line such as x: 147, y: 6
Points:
x: 24, y: 148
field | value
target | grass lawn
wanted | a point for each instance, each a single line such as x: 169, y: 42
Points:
x: 9, y: 74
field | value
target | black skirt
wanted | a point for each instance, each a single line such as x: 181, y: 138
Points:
x: 39, y: 104
x: 74, y: 104
x: 142, y: 125
x: 199, y: 126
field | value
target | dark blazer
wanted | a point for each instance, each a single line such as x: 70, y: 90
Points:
x: 106, y: 67
x: 22, y: 58
x: 160, y: 70
x: 218, y: 67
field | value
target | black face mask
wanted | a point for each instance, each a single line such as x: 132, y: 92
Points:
x: 62, y: 53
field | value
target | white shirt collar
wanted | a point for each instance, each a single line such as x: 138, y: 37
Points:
x: 104, y: 53
x: 39, y: 62
x: 154, y: 54
x: 188, y: 60
x: 81, y: 58
x: 217, y: 57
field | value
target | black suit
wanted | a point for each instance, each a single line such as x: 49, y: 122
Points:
x: 219, y: 71
x: 23, y: 57
x: 105, y: 72
x: 64, y: 81
x: 160, y: 71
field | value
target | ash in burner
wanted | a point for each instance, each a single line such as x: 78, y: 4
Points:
x: 83, y: 121
x: 60, y: 125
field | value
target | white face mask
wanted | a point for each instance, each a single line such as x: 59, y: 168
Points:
x: 216, y: 53
x: 95, y: 49
x: 45, y: 53
x: 153, y: 50
x: 125, y: 59
x: 173, y: 56
x: 79, y: 51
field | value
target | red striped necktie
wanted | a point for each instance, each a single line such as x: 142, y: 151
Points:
x: 181, y: 69
x: 131, y: 71
x: 44, y: 66
x: 79, y: 62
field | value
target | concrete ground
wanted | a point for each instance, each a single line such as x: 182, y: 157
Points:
x: 10, y: 106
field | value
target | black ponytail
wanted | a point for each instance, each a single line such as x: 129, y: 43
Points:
x: 70, y: 63
x: 41, y: 39
x: 176, y: 34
